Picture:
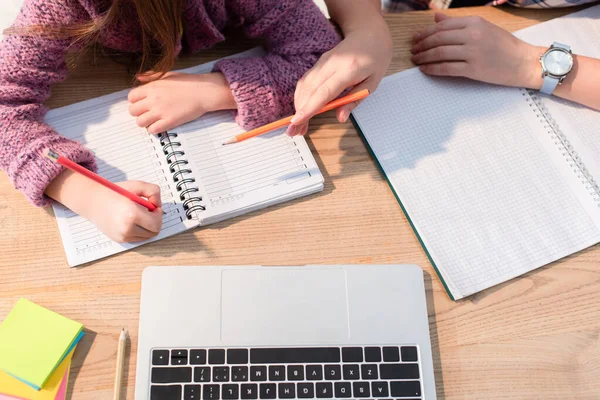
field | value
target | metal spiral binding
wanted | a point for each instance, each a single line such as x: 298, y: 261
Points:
x: 191, y: 203
x: 563, y: 142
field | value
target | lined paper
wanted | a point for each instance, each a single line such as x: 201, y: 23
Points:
x: 468, y: 162
x: 251, y: 173
x: 123, y: 152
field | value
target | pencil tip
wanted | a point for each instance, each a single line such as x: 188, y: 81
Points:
x: 229, y: 141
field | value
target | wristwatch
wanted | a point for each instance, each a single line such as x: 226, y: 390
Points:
x: 556, y: 62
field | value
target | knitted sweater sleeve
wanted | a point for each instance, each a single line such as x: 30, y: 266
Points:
x: 296, y: 35
x: 29, y: 65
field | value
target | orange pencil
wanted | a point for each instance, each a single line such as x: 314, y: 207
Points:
x: 286, y: 121
x: 65, y: 162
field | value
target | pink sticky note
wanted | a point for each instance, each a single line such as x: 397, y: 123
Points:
x: 5, y: 397
x: 62, y: 390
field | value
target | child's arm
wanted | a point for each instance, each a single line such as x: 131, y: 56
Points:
x: 360, y: 61
x: 296, y: 34
x: 477, y: 49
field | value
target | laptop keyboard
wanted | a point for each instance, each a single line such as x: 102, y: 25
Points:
x: 373, y: 372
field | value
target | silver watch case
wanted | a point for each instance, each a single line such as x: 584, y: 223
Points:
x: 545, y: 72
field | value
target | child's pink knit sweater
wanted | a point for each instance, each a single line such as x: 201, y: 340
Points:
x: 296, y: 35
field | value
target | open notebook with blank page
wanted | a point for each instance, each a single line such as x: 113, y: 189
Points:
x: 495, y: 181
x: 201, y: 180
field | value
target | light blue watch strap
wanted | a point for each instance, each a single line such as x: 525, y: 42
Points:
x: 550, y: 83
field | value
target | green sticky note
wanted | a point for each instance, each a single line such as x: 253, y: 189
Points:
x: 33, y: 342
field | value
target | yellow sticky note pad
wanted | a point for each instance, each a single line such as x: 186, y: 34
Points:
x: 14, y: 387
x: 34, y: 341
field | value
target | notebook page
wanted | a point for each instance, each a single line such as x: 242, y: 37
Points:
x: 123, y: 152
x: 581, y: 31
x: 467, y: 162
x: 249, y: 175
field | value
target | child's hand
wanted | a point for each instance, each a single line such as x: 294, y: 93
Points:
x: 474, y: 48
x: 176, y: 98
x: 121, y: 219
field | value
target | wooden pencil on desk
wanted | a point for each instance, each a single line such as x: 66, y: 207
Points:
x: 120, y: 364
x: 287, y: 120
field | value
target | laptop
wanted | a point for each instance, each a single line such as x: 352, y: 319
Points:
x: 310, y: 332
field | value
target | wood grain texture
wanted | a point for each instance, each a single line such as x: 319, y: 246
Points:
x: 536, y: 337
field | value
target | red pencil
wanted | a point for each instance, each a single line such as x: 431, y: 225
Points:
x: 65, y: 162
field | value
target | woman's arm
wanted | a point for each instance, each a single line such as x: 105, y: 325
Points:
x: 360, y: 61
x: 474, y: 48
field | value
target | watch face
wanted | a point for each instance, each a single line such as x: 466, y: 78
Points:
x: 558, y: 62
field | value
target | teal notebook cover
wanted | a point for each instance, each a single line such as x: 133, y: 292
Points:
x: 366, y: 142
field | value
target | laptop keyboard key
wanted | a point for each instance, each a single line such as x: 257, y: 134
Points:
x: 342, y: 390
x: 239, y: 374
x: 216, y: 356
x: 258, y: 374
x: 249, y: 391
x: 197, y: 357
x: 268, y: 391
x: 361, y: 389
x: 221, y: 374
x: 379, y: 389
x: 369, y: 371
x: 179, y: 357
x: 314, y: 373
x: 211, y: 392
x: 309, y: 355
x: 191, y: 392
x: 230, y: 392
x: 399, y: 371
x: 405, y: 389
x: 351, y: 372
x: 160, y: 357
x: 409, y: 354
x: 171, y: 375
x: 324, y: 390
x: 277, y: 373
x: 372, y: 354
x: 352, y: 354
x: 237, y: 356
x: 165, y: 392
x: 333, y: 372
x: 287, y: 391
x: 306, y: 390
x: 391, y: 354
x: 202, y: 374
x: 295, y: 373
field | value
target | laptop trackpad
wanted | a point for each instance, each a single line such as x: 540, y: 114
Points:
x: 284, y: 306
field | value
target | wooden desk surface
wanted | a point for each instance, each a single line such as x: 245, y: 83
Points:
x: 536, y: 337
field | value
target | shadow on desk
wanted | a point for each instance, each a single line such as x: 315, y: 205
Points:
x: 435, y: 347
x: 81, y: 352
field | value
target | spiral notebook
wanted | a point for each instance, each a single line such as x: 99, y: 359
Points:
x: 495, y: 181
x: 201, y: 181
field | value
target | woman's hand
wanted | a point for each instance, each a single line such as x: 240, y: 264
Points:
x: 359, y: 62
x: 116, y: 216
x: 166, y: 102
x: 474, y: 48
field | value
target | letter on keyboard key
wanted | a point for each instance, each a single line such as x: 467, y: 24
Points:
x: 369, y: 371
x: 405, y: 388
x: 171, y: 375
x: 361, y: 389
x: 165, y: 392
x: 343, y: 390
x: 333, y: 372
x: 249, y: 391
x: 399, y: 371
x: 211, y: 392
x: 258, y: 373
x: 287, y: 391
x: 268, y: 390
x: 295, y: 373
x: 351, y: 372
x: 324, y: 390
x: 277, y: 373
x: 379, y: 389
x: 231, y: 392
x: 298, y: 355
x: 314, y: 373
x: 306, y: 390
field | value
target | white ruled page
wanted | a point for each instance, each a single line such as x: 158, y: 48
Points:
x: 123, y: 152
